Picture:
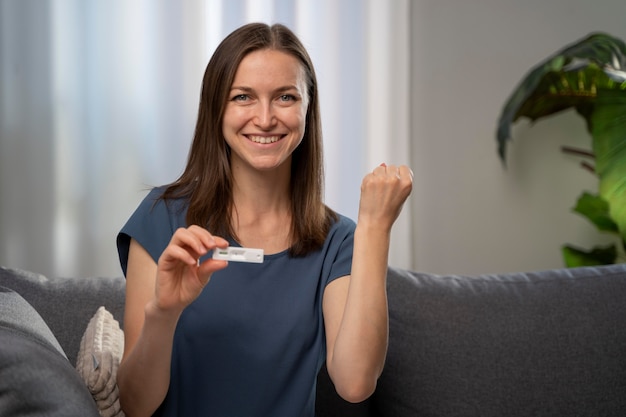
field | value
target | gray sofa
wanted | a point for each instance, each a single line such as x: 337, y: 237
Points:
x: 548, y: 343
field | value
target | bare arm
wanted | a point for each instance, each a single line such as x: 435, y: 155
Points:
x: 156, y: 295
x: 355, y: 307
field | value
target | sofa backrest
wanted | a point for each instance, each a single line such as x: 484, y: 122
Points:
x: 67, y: 304
x: 550, y: 343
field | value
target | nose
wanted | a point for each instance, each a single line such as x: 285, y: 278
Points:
x: 265, y: 117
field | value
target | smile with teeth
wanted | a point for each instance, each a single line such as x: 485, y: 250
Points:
x: 264, y: 139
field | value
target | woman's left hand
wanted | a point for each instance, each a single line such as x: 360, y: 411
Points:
x: 383, y: 193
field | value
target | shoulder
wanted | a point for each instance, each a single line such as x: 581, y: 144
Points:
x: 341, y: 234
x: 344, y: 221
x: 154, y: 203
x: 342, y: 225
x: 155, y: 212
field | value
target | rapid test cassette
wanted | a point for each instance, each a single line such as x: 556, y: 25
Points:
x: 236, y: 254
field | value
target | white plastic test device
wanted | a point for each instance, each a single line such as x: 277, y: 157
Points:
x: 236, y: 254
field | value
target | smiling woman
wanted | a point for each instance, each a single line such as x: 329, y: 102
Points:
x: 254, y: 178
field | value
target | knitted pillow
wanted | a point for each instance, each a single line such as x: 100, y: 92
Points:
x: 100, y: 352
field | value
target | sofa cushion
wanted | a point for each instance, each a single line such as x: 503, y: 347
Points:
x: 67, y: 304
x: 35, y: 376
x: 543, y: 343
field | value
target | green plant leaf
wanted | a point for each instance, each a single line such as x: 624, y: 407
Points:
x: 575, y: 257
x: 608, y: 121
x: 572, y: 77
x: 596, y: 209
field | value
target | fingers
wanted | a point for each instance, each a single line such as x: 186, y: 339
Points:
x: 180, y: 279
x: 401, y: 171
x: 383, y: 193
x: 188, y: 245
x: 209, y: 266
x: 395, y: 179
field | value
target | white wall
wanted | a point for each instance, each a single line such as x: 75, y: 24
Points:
x: 470, y: 214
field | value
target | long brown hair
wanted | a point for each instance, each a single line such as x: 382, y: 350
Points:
x: 207, y: 180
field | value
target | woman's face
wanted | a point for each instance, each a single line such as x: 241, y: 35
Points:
x: 264, y: 118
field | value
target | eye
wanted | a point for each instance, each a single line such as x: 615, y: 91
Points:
x: 285, y: 98
x: 240, y: 97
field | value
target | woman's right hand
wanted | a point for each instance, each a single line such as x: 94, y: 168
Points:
x: 180, y: 278
x: 153, y: 307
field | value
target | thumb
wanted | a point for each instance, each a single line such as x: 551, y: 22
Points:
x: 208, y: 267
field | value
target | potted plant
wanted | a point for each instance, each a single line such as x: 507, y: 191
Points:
x: 590, y: 76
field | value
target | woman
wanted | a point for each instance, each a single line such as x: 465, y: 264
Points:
x: 210, y: 338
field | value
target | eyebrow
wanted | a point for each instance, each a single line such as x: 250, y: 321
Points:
x: 278, y: 90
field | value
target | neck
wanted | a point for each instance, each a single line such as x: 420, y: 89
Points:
x: 262, y: 208
x: 262, y: 191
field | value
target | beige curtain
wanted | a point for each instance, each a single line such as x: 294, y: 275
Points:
x: 98, y: 102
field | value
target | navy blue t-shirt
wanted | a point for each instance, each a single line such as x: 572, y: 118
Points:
x: 253, y: 342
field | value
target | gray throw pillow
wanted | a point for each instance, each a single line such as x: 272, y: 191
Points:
x: 36, y: 378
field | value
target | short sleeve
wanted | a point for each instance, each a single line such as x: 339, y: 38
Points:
x: 343, y: 239
x: 152, y: 225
